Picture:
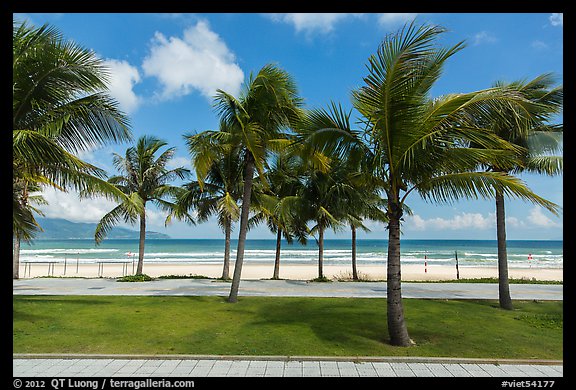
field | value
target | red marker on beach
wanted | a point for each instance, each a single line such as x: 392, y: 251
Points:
x: 425, y: 264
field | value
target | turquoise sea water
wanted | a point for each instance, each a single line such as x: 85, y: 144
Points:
x: 544, y: 254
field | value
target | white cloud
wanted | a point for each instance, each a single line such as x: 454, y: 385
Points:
x: 68, y: 206
x: 484, y: 37
x: 536, y: 217
x: 177, y: 162
x: 416, y: 222
x: 478, y: 221
x: 325, y: 23
x: 395, y: 19
x: 200, y: 61
x: 557, y: 20
x: 312, y: 22
x: 123, y: 77
x: 457, y: 222
x: 539, y: 45
x: 514, y: 222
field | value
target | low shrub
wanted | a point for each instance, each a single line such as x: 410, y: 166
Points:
x: 135, y: 278
x: 347, y: 277
x: 323, y: 279
x: 190, y: 276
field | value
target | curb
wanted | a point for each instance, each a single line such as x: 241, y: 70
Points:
x: 356, y: 359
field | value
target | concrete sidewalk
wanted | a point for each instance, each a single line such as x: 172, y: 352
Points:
x: 276, y: 367
x: 294, y: 288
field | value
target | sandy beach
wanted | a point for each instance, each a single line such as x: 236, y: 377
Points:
x: 289, y: 271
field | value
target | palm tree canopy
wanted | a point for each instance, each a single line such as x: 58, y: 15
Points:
x: 273, y: 196
x: 548, y: 100
x: 220, y: 190
x: 431, y: 146
x: 268, y: 105
x: 24, y: 196
x: 143, y: 178
x: 58, y: 90
x: 542, y: 141
x: 59, y: 108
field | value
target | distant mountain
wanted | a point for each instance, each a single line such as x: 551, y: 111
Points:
x: 62, y: 229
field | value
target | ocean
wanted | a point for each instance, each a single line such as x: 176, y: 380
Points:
x: 471, y: 253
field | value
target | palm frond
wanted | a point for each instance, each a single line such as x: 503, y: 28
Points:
x: 400, y: 75
x: 474, y: 185
x: 543, y: 165
x: 206, y: 148
x: 227, y: 206
x: 123, y: 211
x: 58, y: 89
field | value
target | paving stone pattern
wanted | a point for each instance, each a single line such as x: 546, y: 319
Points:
x: 55, y: 367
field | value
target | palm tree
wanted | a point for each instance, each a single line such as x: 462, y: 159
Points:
x: 535, y: 137
x: 144, y: 178
x: 255, y: 121
x: 366, y: 205
x: 364, y: 200
x: 325, y: 201
x: 422, y: 145
x: 24, y: 196
x: 218, y: 193
x: 59, y: 108
x: 274, y: 202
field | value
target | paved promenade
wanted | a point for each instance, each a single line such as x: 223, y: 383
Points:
x: 275, y: 367
x: 260, y: 366
x: 294, y: 288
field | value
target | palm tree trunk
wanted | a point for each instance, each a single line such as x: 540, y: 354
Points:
x: 248, y: 178
x: 354, y: 269
x: 277, y: 260
x: 141, y: 244
x: 503, y: 282
x: 16, y: 258
x: 320, y: 252
x: 227, y: 231
x: 395, y: 311
x: 16, y: 248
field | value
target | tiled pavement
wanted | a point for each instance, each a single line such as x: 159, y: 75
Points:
x: 57, y: 367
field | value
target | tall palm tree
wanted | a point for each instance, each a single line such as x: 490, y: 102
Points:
x: 422, y: 145
x: 364, y: 199
x: 256, y: 122
x: 218, y: 193
x: 273, y: 202
x: 25, y: 195
x: 59, y: 108
x: 324, y: 200
x: 144, y: 178
x: 536, y: 138
x: 363, y: 205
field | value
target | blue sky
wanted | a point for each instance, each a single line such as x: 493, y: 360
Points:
x: 166, y: 68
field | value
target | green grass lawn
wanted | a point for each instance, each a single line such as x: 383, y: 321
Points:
x: 283, y: 326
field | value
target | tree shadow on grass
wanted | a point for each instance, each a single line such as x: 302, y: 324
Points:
x: 24, y: 307
x: 18, y: 315
x: 58, y: 299
x: 347, y: 323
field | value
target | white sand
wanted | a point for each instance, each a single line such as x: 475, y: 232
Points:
x: 296, y: 272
